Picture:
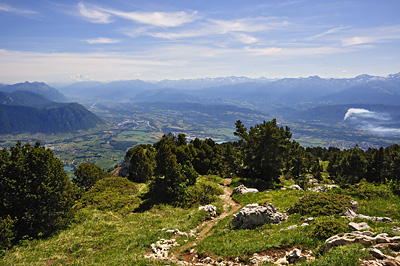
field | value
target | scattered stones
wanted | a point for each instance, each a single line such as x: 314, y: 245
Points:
x: 349, y: 213
x: 323, y: 188
x: 160, y: 249
x: 396, y: 229
x: 359, y: 226
x: 313, y: 181
x: 296, y: 187
x: 242, y: 189
x: 295, y: 256
x: 178, y: 232
x: 211, y: 209
x: 253, y: 215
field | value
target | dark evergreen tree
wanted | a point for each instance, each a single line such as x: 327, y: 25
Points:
x: 34, y: 191
x: 87, y: 175
x: 263, y: 149
x: 142, y: 164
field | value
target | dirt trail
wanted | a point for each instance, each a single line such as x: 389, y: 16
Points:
x: 230, y: 207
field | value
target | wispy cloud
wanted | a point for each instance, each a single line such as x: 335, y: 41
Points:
x: 373, y: 35
x: 295, y: 51
x: 327, y: 32
x: 93, y: 14
x: 246, y: 39
x: 240, y: 29
x: 102, y: 40
x: 7, y: 8
x: 98, y: 14
x: 160, y: 19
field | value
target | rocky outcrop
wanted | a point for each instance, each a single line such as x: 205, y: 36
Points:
x: 365, y: 238
x: 242, y: 189
x: 349, y: 213
x: 359, y: 226
x: 253, y: 215
x: 211, y: 209
x: 124, y: 170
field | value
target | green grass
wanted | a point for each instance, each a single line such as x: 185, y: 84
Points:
x: 105, y: 238
x: 121, y: 236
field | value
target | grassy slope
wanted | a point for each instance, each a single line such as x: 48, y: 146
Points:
x: 101, y: 237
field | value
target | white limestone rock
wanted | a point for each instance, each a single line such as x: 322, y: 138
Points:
x: 253, y: 215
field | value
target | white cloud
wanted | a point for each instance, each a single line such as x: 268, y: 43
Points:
x: 295, y: 51
x: 239, y: 29
x: 93, y: 14
x: 101, y: 40
x: 373, y: 35
x: 246, y: 39
x: 160, y: 19
x: 7, y: 8
x: 247, y: 25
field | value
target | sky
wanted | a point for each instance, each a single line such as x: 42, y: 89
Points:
x: 68, y: 41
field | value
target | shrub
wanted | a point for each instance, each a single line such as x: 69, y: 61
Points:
x: 326, y: 228
x: 6, y: 232
x: 87, y: 175
x: 111, y: 193
x: 368, y: 191
x: 321, y: 204
x: 202, y: 193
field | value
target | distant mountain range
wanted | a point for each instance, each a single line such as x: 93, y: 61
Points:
x: 36, y: 87
x: 27, y: 111
x: 262, y: 94
x: 310, y: 101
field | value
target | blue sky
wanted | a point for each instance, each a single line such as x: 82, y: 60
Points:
x: 66, y: 41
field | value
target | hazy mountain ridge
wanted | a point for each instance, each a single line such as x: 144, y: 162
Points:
x: 238, y: 90
x: 26, y: 111
x: 38, y: 88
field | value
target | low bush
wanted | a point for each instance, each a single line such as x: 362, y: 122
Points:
x: 325, y: 228
x: 368, y: 191
x: 205, y: 191
x: 110, y: 193
x: 320, y: 204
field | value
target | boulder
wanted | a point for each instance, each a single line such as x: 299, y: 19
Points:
x: 253, y: 215
x: 242, y: 189
x: 323, y: 188
x: 359, y: 226
x: 211, y: 209
x: 296, y: 187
